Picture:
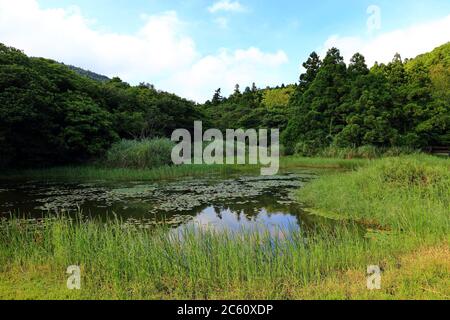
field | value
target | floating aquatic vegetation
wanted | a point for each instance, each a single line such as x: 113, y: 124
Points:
x: 177, y: 201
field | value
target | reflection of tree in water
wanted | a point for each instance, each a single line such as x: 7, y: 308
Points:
x: 249, y: 209
x: 244, y: 210
x: 272, y: 207
x: 269, y: 205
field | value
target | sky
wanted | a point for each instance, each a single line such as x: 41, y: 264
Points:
x: 193, y: 47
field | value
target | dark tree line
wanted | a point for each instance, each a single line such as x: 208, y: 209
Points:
x: 251, y: 108
x: 50, y: 114
x: 402, y: 103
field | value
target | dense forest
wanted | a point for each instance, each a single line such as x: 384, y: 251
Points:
x: 89, y: 74
x: 403, y: 103
x: 51, y: 114
x: 54, y: 114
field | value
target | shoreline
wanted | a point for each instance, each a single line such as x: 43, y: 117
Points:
x: 120, y: 264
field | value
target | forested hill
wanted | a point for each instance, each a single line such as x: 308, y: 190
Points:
x: 439, y: 57
x: 395, y: 104
x: 89, y: 74
x: 52, y: 115
x: 250, y: 108
x: 403, y: 103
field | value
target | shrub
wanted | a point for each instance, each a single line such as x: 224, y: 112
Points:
x: 141, y: 154
x: 363, y: 152
x: 406, y: 172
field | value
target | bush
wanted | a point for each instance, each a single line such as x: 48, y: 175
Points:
x: 140, y: 154
x: 400, y: 151
x: 407, y: 172
x: 363, y: 152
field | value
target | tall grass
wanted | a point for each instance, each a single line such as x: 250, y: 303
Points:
x: 140, y: 154
x: 291, y: 162
x: 408, y: 194
x: 126, y: 262
x: 404, y: 202
x: 363, y: 152
x: 102, y: 172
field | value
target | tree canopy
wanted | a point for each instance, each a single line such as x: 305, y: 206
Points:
x: 51, y: 114
x: 402, y: 103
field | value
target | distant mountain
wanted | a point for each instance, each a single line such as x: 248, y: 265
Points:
x: 89, y: 74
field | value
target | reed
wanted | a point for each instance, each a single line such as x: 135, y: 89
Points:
x: 385, y: 211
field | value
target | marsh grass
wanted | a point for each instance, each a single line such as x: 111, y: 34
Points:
x: 410, y: 193
x: 140, y: 154
x: 290, y: 162
x: 365, y: 152
x: 101, y: 172
x: 183, y: 264
x: 385, y: 209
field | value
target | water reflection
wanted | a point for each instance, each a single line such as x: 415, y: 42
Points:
x: 227, y: 220
x: 237, y: 203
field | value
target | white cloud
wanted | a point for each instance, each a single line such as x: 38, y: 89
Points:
x: 65, y: 35
x: 159, y: 52
x: 226, y: 5
x: 409, y: 42
x: 226, y: 69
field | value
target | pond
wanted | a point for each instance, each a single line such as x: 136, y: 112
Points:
x: 232, y: 203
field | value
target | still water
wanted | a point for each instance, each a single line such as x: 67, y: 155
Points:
x: 232, y: 203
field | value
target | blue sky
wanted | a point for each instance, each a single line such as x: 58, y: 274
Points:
x: 193, y: 46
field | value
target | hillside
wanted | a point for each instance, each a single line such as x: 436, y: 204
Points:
x: 439, y: 56
x: 89, y: 74
x: 53, y: 115
x: 437, y: 64
x: 405, y: 103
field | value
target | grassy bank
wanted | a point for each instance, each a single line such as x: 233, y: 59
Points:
x: 126, y: 263
x: 404, y: 202
x: 99, y: 172
x: 81, y: 173
x: 408, y: 194
x: 363, y: 152
x: 150, y: 160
